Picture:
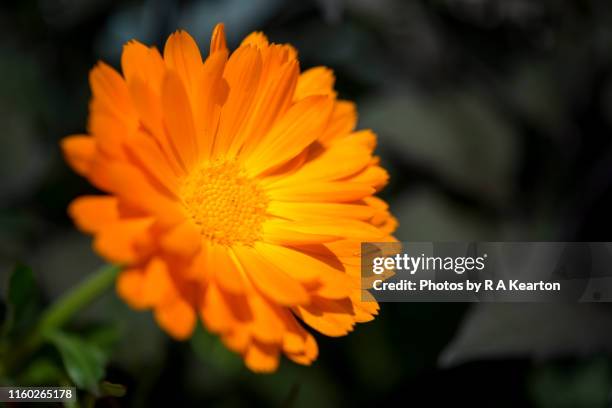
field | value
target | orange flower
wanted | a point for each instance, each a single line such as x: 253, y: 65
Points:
x: 238, y: 191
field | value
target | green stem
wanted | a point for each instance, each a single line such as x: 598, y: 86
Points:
x: 62, y: 311
x: 77, y: 298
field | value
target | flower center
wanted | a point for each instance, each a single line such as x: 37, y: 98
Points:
x: 226, y: 205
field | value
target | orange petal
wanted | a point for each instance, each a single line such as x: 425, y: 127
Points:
x: 274, y: 57
x: 242, y: 73
x: 79, y: 151
x: 267, y: 324
x: 269, y: 279
x: 182, y: 55
x: 315, y: 81
x: 310, y: 211
x: 289, y: 233
x: 157, y: 285
x: 295, y: 336
x: 305, y: 268
x: 131, y: 185
x: 110, y: 94
x: 217, y: 41
x: 364, y: 310
x: 118, y: 242
x: 309, y: 354
x: 344, y: 248
x: 177, y: 318
x: 237, y: 340
x: 272, y: 100
x: 142, y: 62
x: 257, y: 39
x: 225, y: 268
x: 311, y: 350
x: 375, y: 176
x: 330, y: 317
x: 323, y: 191
x: 343, y: 120
x: 262, y: 358
x: 197, y: 270
x: 98, y: 175
x: 109, y: 132
x: 289, y: 260
x: 146, y: 152
x: 129, y: 288
x: 222, y: 311
x: 341, y: 228
x: 291, y: 134
x: 211, y: 94
x: 365, y: 138
x: 149, y: 108
x: 93, y: 213
x: 332, y: 164
x: 179, y: 119
x: 215, y: 311
x: 183, y: 240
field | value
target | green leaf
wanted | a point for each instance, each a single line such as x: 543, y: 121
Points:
x: 84, y: 362
x: 42, y: 371
x: 577, y: 384
x: 529, y: 330
x: 292, y: 396
x: 458, y: 136
x: 23, y: 300
x: 2, y: 313
x: 21, y: 286
x: 112, y: 390
x: 209, y: 349
x: 425, y: 214
x: 104, y: 337
x: 221, y: 365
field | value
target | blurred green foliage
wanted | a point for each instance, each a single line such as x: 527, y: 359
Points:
x: 23, y: 300
x: 585, y: 384
x: 84, y: 362
x: 60, y: 358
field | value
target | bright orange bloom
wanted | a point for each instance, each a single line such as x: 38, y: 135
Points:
x: 238, y: 191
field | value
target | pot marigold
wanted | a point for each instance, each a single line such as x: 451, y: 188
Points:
x: 238, y: 191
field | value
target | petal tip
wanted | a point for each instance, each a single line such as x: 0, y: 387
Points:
x: 218, y: 41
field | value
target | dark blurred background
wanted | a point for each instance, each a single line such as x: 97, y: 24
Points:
x: 494, y: 119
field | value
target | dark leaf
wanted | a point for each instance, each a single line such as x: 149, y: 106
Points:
x: 220, y: 364
x: 492, y: 330
x: 42, y: 371
x: 290, y: 400
x: 84, y: 362
x: 104, y: 337
x: 2, y: 313
x: 23, y: 299
x: 112, y: 390
x: 565, y: 385
x: 457, y: 137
